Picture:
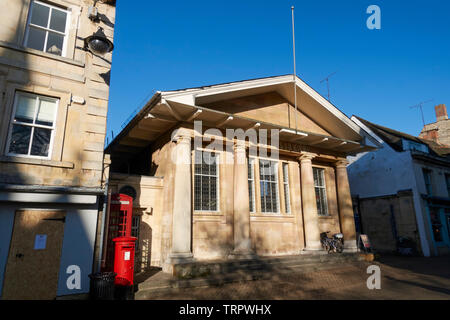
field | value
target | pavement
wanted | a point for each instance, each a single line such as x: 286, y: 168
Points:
x: 402, y: 278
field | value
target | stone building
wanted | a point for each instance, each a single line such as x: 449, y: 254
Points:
x: 202, y: 194
x: 53, y: 105
x: 402, y: 190
x: 438, y: 131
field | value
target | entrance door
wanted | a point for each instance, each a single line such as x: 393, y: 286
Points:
x: 34, y: 255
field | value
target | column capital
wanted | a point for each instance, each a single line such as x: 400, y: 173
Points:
x: 342, y: 163
x: 307, y: 156
x: 181, y: 135
x: 239, y: 144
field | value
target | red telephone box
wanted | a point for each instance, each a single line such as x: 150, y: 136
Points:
x: 120, y: 222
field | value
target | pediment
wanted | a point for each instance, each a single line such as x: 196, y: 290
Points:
x: 269, y: 107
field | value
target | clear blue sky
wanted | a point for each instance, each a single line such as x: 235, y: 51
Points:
x: 164, y: 45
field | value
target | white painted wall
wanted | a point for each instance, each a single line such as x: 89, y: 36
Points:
x: 381, y: 172
x: 385, y: 172
x: 78, y: 248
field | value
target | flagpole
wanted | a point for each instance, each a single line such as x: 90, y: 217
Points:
x: 295, y: 73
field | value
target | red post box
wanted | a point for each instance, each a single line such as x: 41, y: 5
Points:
x: 124, y: 260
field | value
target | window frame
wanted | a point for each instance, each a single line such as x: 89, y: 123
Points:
x: 286, y: 188
x: 136, y: 228
x: 32, y: 125
x: 437, y: 211
x: 277, y: 188
x: 194, y: 174
x: 428, y: 175
x: 252, y: 180
x: 324, y: 188
x: 47, y: 29
x: 447, y: 183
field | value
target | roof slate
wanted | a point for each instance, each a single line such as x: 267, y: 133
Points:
x: 394, y: 139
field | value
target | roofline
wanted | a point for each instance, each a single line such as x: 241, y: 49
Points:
x: 159, y: 95
x: 281, y: 79
x: 372, y: 135
x: 147, y: 107
x: 224, y: 84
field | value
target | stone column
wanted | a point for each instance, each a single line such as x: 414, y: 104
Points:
x: 182, y: 199
x: 310, y: 215
x: 346, y: 215
x: 241, y: 206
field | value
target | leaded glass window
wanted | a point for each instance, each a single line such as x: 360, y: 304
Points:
x: 251, y: 184
x: 287, y: 197
x: 206, y: 179
x: 268, y: 178
x: 321, y: 192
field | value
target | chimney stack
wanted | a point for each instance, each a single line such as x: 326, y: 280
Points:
x: 441, y: 112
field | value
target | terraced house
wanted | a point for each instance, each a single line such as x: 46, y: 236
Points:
x: 402, y: 190
x: 55, y: 61
x: 202, y: 195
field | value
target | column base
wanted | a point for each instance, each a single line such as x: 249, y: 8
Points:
x: 242, y: 255
x: 179, y: 258
x: 350, y: 246
x: 313, y: 246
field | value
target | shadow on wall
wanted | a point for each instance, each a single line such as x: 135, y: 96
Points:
x: 144, y: 257
x: 79, y: 226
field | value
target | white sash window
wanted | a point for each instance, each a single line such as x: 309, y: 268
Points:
x: 32, y: 125
x: 47, y: 28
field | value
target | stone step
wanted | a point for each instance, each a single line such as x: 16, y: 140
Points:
x: 146, y: 289
x: 193, y: 270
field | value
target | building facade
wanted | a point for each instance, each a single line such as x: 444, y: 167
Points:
x: 236, y: 170
x: 53, y: 102
x: 402, y: 190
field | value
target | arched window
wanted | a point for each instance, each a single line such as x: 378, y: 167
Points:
x: 129, y: 191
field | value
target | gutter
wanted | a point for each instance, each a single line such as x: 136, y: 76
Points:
x: 150, y: 104
x: 106, y: 200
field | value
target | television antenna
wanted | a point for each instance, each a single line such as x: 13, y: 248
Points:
x: 420, y: 106
x: 328, y: 83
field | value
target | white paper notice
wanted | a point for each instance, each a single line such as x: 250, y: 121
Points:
x: 40, y: 242
x: 127, y: 255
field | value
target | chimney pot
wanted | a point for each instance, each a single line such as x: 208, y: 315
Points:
x: 441, y: 112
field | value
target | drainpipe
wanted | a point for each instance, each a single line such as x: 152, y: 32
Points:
x: 106, y: 200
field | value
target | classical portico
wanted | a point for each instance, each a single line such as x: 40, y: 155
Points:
x: 241, y: 224
x: 251, y: 205
x: 346, y: 215
x: 241, y: 217
x: 310, y: 216
x: 182, y: 211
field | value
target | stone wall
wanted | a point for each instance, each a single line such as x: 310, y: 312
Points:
x: 148, y: 204
x: 79, y: 79
x: 380, y: 214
